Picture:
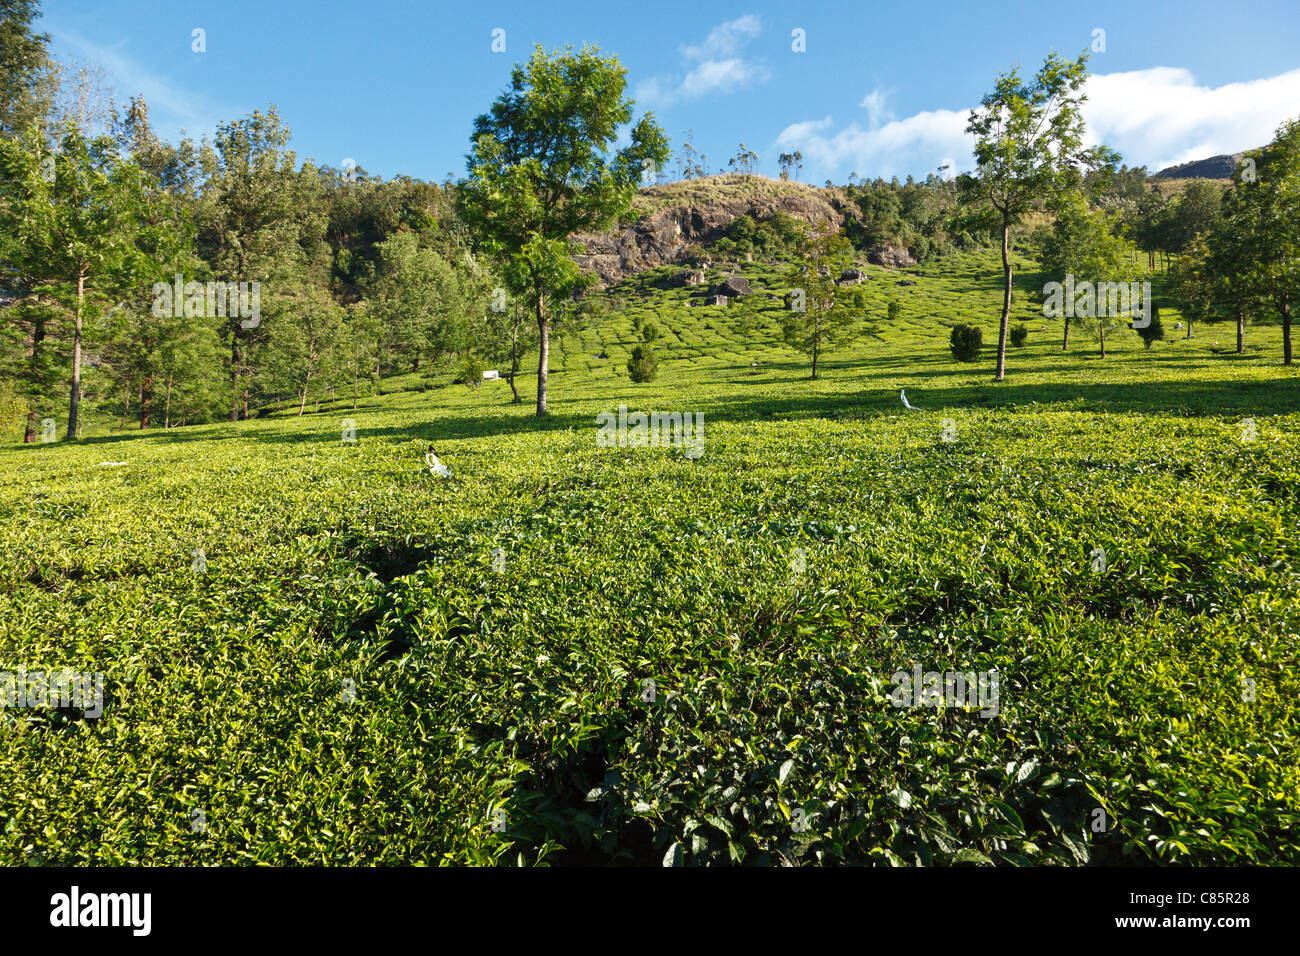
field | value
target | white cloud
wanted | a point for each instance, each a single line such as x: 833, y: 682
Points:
x: 1161, y: 117
x: 874, y: 104
x: 726, y: 39
x: 920, y: 142
x: 170, y: 108
x: 1157, y: 118
x: 713, y: 66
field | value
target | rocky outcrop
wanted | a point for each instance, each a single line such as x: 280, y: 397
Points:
x: 851, y: 277
x: 895, y: 257
x: 733, y: 286
x: 667, y: 236
x: 1215, y: 167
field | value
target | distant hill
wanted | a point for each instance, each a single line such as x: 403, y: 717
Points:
x: 1216, y: 167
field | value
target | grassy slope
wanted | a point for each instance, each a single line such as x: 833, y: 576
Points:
x: 521, y: 691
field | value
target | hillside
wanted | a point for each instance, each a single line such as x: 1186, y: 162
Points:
x: 670, y: 221
x: 1214, y: 167
x: 569, y: 653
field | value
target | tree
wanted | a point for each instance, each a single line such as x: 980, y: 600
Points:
x: 1231, y: 264
x: 251, y: 220
x: 75, y: 224
x: 418, y: 295
x: 1029, y: 147
x: 1269, y: 207
x: 822, y: 315
x: 693, y: 163
x: 539, y: 173
x: 1080, y: 243
x: 25, y: 68
x: 1192, y: 284
x: 643, y: 365
x: 744, y: 160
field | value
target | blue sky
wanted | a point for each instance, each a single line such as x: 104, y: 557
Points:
x: 881, y: 89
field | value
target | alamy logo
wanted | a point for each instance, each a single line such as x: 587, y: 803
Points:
x: 1090, y: 301
x: 37, y: 689
x: 217, y: 300
x: 655, y: 430
x: 955, y: 688
x: 74, y: 909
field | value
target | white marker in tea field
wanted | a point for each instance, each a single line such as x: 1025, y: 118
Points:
x: 435, y: 466
x: 906, y: 404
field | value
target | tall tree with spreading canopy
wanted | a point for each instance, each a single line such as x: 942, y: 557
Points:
x: 1028, y: 150
x: 78, y: 225
x: 822, y: 315
x: 540, y: 171
x: 250, y: 222
x: 1268, y: 212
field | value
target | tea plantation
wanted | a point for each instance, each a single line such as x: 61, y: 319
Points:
x: 316, y: 651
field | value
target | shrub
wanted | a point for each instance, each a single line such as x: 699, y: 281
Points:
x: 470, y: 372
x: 895, y: 312
x: 643, y: 366
x: 649, y: 332
x: 966, y: 342
x: 1019, y: 335
x: 1155, y: 331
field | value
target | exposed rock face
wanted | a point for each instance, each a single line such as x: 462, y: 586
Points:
x: 689, y: 278
x: 716, y: 300
x: 665, y: 237
x: 851, y: 276
x: 734, y: 286
x: 1216, y: 167
x: 895, y: 257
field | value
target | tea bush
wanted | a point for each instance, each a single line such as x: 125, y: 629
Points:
x: 565, y: 652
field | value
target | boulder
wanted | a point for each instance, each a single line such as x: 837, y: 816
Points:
x: 716, y: 300
x: 689, y: 278
x: 851, y: 276
x: 906, y: 282
x: 733, y: 286
x: 894, y: 257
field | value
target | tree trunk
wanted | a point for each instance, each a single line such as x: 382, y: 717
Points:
x: 1286, y: 329
x: 544, y: 352
x: 234, y: 376
x: 146, y: 400
x: 74, y: 400
x: 514, y: 358
x: 1065, y: 342
x: 1102, y: 328
x: 1241, y: 330
x: 1006, y: 302
x: 38, y: 337
x: 167, y: 405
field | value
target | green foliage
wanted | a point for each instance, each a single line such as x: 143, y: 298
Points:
x: 1028, y: 151
x: 821, y: 316
x: 643, y: 364
x: 649, y: 332
x: 1019, y: 335
x: 965, y: 341
x: 539, y: 172
x: 521, y: 690
x: 1153, y: 331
